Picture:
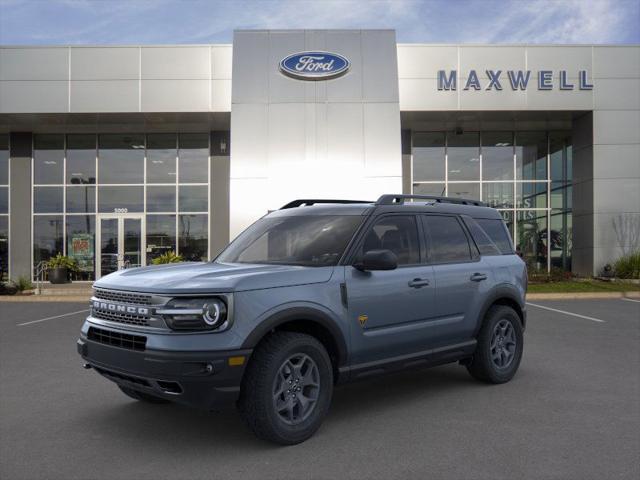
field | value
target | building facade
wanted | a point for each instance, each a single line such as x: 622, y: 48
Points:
x: 116, y: 155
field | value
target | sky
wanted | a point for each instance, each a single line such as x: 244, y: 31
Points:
x: 118, y: 22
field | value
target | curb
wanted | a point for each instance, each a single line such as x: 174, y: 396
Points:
x: 581, y: 295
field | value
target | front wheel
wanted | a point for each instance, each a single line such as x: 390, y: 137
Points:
x: 287, y: 388
x: 500, y: 345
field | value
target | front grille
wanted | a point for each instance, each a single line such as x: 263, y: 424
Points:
x: 128, y: 318
x: 122, y: 297
x: 120, y: 376
x: 117, y: 339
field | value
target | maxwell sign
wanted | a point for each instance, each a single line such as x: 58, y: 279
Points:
x: 314, y: 65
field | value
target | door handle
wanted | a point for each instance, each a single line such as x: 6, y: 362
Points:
x: 478, y: 277
x: 418, y: 282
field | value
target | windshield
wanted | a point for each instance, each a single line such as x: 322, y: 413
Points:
x: 310, y: 240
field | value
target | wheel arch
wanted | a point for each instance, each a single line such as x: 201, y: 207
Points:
x: 508, y: 296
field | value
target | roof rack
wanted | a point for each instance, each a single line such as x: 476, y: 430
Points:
x: 399, y: 200
x: 308, y: 202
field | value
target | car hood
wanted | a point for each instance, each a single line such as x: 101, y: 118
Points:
x: 211, y: 277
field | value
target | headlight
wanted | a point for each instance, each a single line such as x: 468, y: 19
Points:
x: 195, y: 313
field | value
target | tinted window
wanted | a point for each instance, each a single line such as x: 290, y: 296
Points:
x: 482, y: 240
x: 448, y: 242
x: 312, y: 240
x: 497, y: 233
x: 398, y: 234
x: 121, y: 159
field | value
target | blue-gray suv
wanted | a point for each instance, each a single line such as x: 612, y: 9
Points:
x: 317, y: 293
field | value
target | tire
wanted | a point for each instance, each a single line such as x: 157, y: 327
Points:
x: 498, y: 362
x: 141, y: 396
x: 271, y: 400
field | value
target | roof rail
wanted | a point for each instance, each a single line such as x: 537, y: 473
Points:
x: 399, y: 200
x: 309, y: 202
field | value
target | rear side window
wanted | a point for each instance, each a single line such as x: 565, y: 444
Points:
x: 497, y: 232
x: 484, y: 243
x: 448, y: 242
x: 396, y: 233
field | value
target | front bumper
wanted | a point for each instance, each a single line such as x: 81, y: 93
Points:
x: 204, y: 380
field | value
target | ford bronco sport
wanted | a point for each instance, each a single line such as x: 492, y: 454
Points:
x: 317, y: 293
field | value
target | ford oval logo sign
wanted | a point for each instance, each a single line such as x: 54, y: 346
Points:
x: 314, y: 65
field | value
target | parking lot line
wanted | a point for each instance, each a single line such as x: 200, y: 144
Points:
x: 630, y: 300
x: 51, y: 318
x: 566, y: 313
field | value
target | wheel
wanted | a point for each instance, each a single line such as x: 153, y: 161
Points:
x: 500, y: 345
x: 287, y: 388
x: 141, y: 396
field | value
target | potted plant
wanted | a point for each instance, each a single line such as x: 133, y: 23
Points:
x: 59, y: 268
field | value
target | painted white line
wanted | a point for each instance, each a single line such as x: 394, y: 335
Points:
x: 52, y: 318
x: 630, y: 300
x: 566, y: 313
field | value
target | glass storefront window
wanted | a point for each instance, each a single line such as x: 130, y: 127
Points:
x: 428, y: 157
x: 463, y: 156
x: 435, y: 189
x: 531, y: 155
x: 4, y: 200
x: 4, y: 247
x: 47, y: 200
x: 4, y: 159
x: 48, y: 159
x: 193, y: 237
x: 81, y: 159
x: 81, y: 241
x: 121, y: 159
x: 193, y: 158
x: 532, y: 238
x: 161, y: 158
x: 497, y: 156
x: 81, y: 199
x: 47, y: 237
x: 464, y: 190
x: 161, y: 235
x: 561, y: 239
x: 161, y: 199
x: 531, y: 195
x: 193, y: 198
x: 120, y: 199
x: 498, y: 194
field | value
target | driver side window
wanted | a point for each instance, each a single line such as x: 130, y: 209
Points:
x: 396, y: 233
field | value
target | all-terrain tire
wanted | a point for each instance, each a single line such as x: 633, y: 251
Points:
x: 496, y: 360
x: 141, y: 396
x: 267, y: 372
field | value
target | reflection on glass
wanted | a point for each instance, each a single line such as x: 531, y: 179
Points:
x: 531, y: 195
x: 132, y: 255
x: 161, y: 199
x: 428, y: 157
x: 532, y: 238
x: 4, y: 159
x: 120, y: 198
x: 81, y: 199
x: 4, y: 199
x: 47, y: 199
x: 463, y: 155
x: 531, y: 155
x: 435, y: 189
x: 81, y: 245
x: 47, y: 237
x: 48, y: 159
x: 497, y: 156
x: 193, y: 198
x: 4, y: 247
x: 470, y: 191
x: 81, y: 159
x: 561, y: 239
x: 193, y: 237
x: 161, y: 235
x: 108, y: 245
x: 161, y: 158
x: 560, y: 156
x: 193, y: 157
x: 561, y: 195
x: 121, y: 158
x: 498, y: 195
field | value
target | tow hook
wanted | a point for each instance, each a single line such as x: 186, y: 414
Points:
x: 86, y: 366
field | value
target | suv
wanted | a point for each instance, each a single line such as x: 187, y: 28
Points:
x: 317, y: 293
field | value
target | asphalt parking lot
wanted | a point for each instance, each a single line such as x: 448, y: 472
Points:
x: 572, y: 411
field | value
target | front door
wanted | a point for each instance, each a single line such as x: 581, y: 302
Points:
x: 120, y: 241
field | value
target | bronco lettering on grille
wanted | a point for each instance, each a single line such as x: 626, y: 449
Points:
x: 118, y: 308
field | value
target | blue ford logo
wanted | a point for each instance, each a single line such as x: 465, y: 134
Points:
x: 314, y: 65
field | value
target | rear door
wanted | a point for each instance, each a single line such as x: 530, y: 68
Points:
x: 462, y: 277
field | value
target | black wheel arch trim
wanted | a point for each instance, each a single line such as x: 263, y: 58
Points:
x: 299, y: 313
x: 500, y: 292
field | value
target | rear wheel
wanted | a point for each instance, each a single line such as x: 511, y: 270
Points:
x: 500, y: 346
x: 141, y: 396
x: 287, y: 388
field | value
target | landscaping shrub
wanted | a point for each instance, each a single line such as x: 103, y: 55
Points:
x: 628, y: 266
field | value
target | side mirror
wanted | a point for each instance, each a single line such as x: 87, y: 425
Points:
x: 377, y: 260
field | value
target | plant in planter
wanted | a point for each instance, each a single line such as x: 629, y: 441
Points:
x: 169, y: 257
x: 59, y: 268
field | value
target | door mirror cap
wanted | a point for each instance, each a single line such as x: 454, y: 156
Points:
x: 377, y: 260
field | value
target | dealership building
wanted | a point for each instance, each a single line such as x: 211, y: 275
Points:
x: 115, y: 155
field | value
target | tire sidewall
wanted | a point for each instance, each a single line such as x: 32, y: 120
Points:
x: 501, y: 375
